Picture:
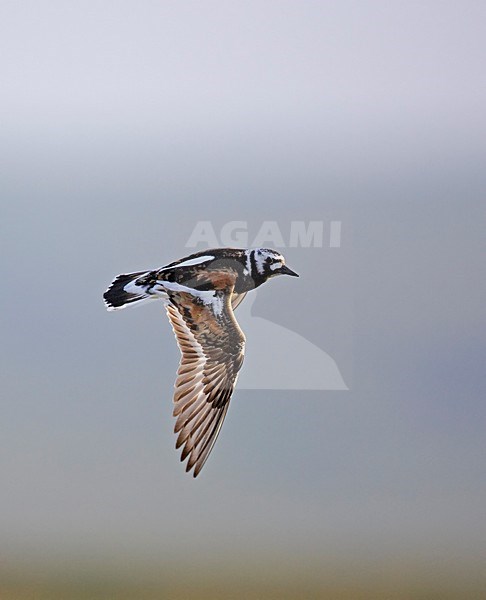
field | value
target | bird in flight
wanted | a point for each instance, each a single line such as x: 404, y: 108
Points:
x: 201, y: 292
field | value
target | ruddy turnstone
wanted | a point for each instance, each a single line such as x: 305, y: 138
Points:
x: 201, y: 292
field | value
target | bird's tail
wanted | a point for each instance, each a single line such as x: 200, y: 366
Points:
x: 126, y: 289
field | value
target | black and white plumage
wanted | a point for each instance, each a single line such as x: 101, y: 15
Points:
x: 201, y: 292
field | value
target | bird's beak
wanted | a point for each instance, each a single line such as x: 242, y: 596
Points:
x: 286, y: 271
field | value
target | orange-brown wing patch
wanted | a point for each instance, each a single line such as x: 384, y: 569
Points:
x: 222, y: 278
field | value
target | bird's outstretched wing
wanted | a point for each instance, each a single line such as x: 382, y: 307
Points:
x: 212, y: 347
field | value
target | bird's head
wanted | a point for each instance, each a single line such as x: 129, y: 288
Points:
x: 270, y: 263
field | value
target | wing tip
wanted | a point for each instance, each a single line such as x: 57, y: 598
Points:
x: 110, y: 308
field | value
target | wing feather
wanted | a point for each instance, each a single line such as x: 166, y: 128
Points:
x: 237, y: 299
x: 212, y: 347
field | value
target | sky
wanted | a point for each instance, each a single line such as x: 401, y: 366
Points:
x: 127, y: 124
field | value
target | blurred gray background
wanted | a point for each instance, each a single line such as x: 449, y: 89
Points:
x: 123, y: 124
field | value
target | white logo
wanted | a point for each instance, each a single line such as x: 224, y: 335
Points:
x: 296, y: 362
x: 302, y: 234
